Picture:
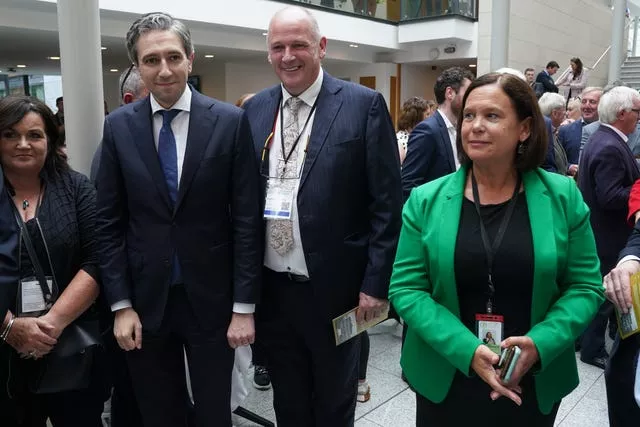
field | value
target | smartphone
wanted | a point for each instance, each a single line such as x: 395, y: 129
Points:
x: 507, y: 363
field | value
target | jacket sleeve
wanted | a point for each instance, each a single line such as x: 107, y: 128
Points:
x: 609, y: 177
x: 580, y: 286
x: 9, y: 235
x: 411, y: 293
x: 246, y: 218
x: 111, y: 222
x: 385, y: 194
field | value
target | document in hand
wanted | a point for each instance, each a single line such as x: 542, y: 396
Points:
x: 629, y: 323
x: 345, y: 326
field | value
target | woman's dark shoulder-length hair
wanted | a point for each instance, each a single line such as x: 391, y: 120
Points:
x: 525, y: 105
x: 14, y: 108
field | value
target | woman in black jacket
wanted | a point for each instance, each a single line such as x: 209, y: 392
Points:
x: 57, y: 206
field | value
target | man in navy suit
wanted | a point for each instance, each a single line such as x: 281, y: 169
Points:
x: 622, y: 369
x: 179, y: 229
x: 546, y: 83
x: 431, y: 150
x: 607, y: 173
x: 329, y: 158
x: 570, y: 136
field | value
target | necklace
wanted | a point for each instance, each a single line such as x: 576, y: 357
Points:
x: 25, y: 204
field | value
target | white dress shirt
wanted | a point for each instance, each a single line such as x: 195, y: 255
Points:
x: 180, y: 128
x: 293, y: 261
x: 453, y: 134
x: 624, y: 137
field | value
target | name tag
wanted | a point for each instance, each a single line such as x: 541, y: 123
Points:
x: 279, y: 199
x: 32, y: 297
x: 490, y: 328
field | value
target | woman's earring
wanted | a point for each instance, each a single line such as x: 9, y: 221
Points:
x: 520, y: 148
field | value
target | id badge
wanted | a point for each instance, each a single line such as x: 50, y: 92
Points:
x: 279, y: 199
x: 31, y: 297
x: 489, y: 328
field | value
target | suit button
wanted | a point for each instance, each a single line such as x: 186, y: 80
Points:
x: 166, y: 263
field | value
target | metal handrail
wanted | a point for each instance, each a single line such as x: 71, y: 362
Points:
x: 626, y: 27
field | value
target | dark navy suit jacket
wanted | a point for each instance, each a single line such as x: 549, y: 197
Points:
x: 9, y: 236
x: 429, y: 154
x: 570, y: 137
x: 550, y: 159
x: 349, y: 198
x: 547, y: 82
x: 215, y: 226
x: 607, y: 172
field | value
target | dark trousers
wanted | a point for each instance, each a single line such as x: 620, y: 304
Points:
x: 620, y: 377
x: 468, y: 404
x: 364, y: 355
x: 314, y: 382
x: 593, y: 338
x: 77, y: 408
x: 158, y: 370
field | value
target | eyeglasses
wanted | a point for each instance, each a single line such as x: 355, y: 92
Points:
x: 636, y: 110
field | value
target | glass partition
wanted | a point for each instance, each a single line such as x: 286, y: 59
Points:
x: 398, y: 10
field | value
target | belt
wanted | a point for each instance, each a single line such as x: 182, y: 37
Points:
x: 298, y: 278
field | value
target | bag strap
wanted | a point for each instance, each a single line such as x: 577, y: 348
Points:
x: 26, y: 238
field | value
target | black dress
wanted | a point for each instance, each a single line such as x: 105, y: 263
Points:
x: 468, y: 401
x: 67, y: 217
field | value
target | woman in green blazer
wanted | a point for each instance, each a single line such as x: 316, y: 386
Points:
x: 536, y: 287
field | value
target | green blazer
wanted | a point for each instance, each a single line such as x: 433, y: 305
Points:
x: 567, y: 285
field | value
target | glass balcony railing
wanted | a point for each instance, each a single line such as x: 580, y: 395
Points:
x: 398, y: 10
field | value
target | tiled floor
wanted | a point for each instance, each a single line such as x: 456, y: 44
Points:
x: 392, y: 403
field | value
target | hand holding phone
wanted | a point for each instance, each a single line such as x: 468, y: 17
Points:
x: 508, y: 360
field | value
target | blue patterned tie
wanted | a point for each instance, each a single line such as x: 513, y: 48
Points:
x: 168, y: 153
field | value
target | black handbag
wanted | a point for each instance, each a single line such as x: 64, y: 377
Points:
x: 70, y: 363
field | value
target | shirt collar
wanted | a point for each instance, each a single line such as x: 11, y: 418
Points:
x: 183, y: 103
x: 447, y: 123
x: 624, y: 137
x: 310, y: 95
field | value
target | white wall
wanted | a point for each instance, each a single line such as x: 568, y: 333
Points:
x: 382, y: 72
x: 545, y: 30
x: 418, y: 80
x: 247, y: 77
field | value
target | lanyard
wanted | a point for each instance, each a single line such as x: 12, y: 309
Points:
x: 286, y: 156
x: 491, y: 250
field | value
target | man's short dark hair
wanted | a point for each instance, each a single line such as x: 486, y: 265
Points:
x: 451, y: 77
x: 59, y: 100
x: 553, y: 64
x: 526, y: 70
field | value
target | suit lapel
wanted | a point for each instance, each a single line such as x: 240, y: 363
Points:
x: 544, y: 243
x: 328, y: 105
x: 201, y: 127
x: 264, y: 125
x: 140, y: 123
x: 445, y: 141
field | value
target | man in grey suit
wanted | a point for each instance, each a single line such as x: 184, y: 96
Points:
x: 332, y: 198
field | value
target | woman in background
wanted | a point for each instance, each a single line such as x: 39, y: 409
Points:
x: 573, y: 79
x: 414, y: 110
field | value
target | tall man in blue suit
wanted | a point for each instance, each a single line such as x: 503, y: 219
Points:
x: 607, y: 173
x: 570, y: 136
x: 329, y: 158
x: 431, y: 150
x: 179, y: 228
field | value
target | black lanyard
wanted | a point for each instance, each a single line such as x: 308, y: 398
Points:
x: 491, y: 250
x: 285, y: 156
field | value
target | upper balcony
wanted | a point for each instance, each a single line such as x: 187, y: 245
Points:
x: 398, y: 10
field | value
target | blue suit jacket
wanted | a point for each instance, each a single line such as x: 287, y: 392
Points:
x: 349, y: 198
x: 9, y: 236
x: 570, y: 136
x: 214, y: 227
x: 547, y: 81
x: 550, y: 159
x: 607, y: 172
x: 429, y: 154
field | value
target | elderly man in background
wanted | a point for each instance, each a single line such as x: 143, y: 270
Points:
x: 607, y: 173
x: 552, y: 105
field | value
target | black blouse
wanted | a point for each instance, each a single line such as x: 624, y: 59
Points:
x: 66, y: 214
x: 512, y: 269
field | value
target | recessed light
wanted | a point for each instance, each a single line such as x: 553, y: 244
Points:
x: 103, y: 48
x: 21, y: 66
x: 55, y: 58
x: 353, y: 45
x: 209, y: 56
x: 114, y: 70
x: 265, y: 34
x: 472, y: 65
